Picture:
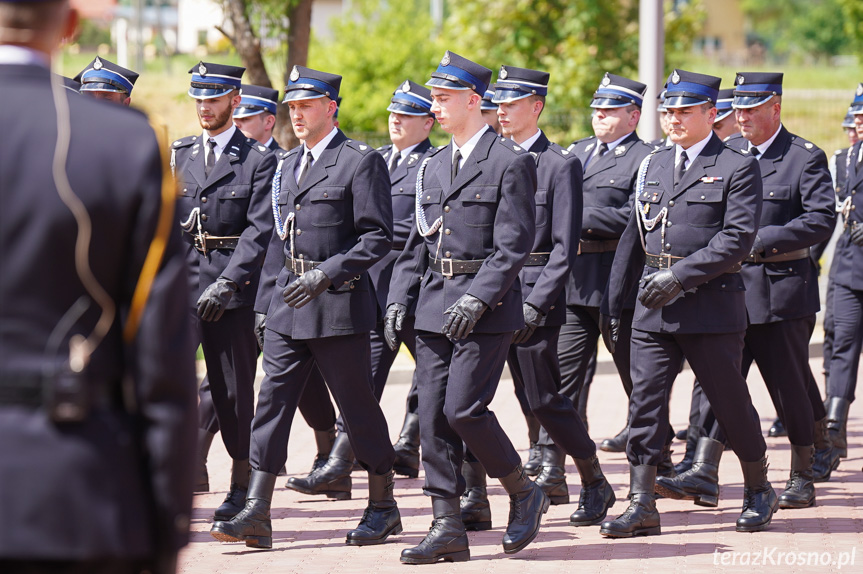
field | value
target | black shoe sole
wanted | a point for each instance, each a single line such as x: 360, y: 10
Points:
x: 786, y: 505
x: 460, y: 556
x: 336, y: 494
x: 652, y: 531
x: 477, y: 526
x: 699, y: 499
x: 251, y: 541
x: 611, y: 448
x: 396, y: 529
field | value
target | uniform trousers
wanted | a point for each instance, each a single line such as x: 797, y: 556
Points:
x: 715, y: 358
x: 534, y: 367
x: 456, y: 381
x: 847, y: 341
x: 345, y: 363
x: 230, y: 354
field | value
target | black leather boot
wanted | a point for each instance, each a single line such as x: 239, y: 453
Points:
x: 641, y: 517
x: 666, y: 465
x: 252, y: 524
x: 334, y: 478
x: 759, y: 498
x: 534, y: 459
x: 527, y: 504
x: 381, y: 517
x: 202, y: 479
x: 596, y: 495
x: 475, y: 509
x: 800, y: 489
x: 446, y: 540
x: 236, y: 498
x: 701, y: 482
x: 407, y: 448
x: 693, y: 433
x: 777, y: 429
x: 618, y: 443
x: 324, y: 440
x: 552, y: 477
x: 826, y: 458
x: 837, y: 418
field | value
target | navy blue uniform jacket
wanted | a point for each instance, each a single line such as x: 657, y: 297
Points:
x: 488, y: 214
x: 848, y: 258
x: 344, y: 219
x: 713, y: 219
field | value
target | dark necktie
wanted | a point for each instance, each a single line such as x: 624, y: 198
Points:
x: 304, y: 171
x: 600, y: 151
x: 210, y: 162
x: 680, y: 168
x: 394, y: 161
x: 755, y: 153
x: 455, y: 161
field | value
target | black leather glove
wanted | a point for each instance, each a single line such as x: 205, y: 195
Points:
x: 857, y: 235
x: 393, y: 320
x: 610, y: 329
x: 463, y: 316
x: 532, y: 319
x: 260, y: 327
x: 307, y: 286
x: 659, y: 288
x: 215, y: 298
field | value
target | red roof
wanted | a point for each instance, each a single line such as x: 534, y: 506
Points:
x: 100, y: 9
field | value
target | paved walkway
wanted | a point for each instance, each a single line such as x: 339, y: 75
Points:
x: 309, y: 531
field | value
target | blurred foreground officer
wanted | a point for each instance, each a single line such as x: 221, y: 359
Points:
x: 461, y: 270
x: 97, y: 380
x: 695, y: 218
x: 224, y: 210
x: 106, y: 80
x: 256, y: 114
x: 781, y: 283
x: 532, y: 358
x: 611, y: 158
x: 319, y: 307
x: 847, y: 274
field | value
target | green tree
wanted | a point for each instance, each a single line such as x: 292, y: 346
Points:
x: 803, y: 29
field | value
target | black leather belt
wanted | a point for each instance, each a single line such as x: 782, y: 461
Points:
x: 300, y: 266
x: 65, y: 397
x: 597, y: 245
x: 665, y: 261
x: 537, y: 259
x: 449, y: 267
x: 211, y: 242
x: 789, y: 256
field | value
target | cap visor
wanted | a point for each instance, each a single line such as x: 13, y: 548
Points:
x: 502, y: 96
x: 207, y: 94
x: 609, y: 103
x: 449, y: 85
x: 100, y: 87
x: 744, y: 102
x: 246, y: 112
x: 404, y: 110
x: 856, y: 109
x: 681, y: 102
x: 297, y: 95
x: 722, y: 114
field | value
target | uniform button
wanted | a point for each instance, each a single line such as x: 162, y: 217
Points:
x: 590, y: 230
x: 446, y: 208
x: 297, y: 207
x: 612, y: 181
x: 853, y: 207
x: 671, y: 203
x: 326, y: 195
x: 499, y: 304
x: 233, y: 193
x: 299, y: 231
x: 667, y: 246
x: 447, y: 254
x: 775, y: 250
x: 790, y: 269
x: 723, y: 285
x: 771, y: 195
x: 352, y: 286
x: 185, y: 189
x: 668, y: 224
x: 478, y: 196
x: 401, y: 189
x: 448, y: 232
x: 428, y: 197
x: 204, y: 217
x: 702, y: 197
x: 552, y: 307
x: 203, y: 200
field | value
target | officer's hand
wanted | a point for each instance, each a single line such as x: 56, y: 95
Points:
x: 857, y: 235
x: 610, y: 329
x: 659, y: 288
x: 463, y: 316
x: 532, y: 319
x: 393, y: 320
x: 307, y: 286
x: 260, y: 327
x: 215, y: 298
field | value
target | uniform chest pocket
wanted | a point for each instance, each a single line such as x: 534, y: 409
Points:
x: 612, y: 191
x: 479, y: 205
x: 328, y: 206
x: 233, y: 202
x: 430, y: 203
x: 185, y: 189
x: 651, y: 195
x: 705, y: 206
x: 541, y: 199
x: 777, y: 192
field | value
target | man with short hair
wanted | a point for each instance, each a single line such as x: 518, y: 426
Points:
x: 333, y: 221
x: 223, y: 179
x: 474, y: 229
x: 696, y: 213
x: 105, y: 80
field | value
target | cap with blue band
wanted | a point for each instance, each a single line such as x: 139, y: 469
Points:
x: 101, y: 75
x: 307, y: 84
x: 755, y: 88
x: 488, y: 103
x: 857, y: 105
x: 214, y: 80
x: 660, y: 106
x: 517, y: 83
x: 411, y: 99
x: 686, y: 89
x: 618, y: 92
x: 457, y: 73
x: 723, y: 104
x: 256, y: 100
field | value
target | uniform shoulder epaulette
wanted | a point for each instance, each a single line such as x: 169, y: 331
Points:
x: 260, y: 148
x: 564, y: 153
x: 384, y: 147
x: 742, y: 152
x: 184, y: 142
x: 805, y: 144
x: 511, y: 145
x: 361, y: 147
x: 588, y: 138
x: 283, y: 153
x: 840, y: 151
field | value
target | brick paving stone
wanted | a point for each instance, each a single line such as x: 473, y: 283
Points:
x: 309, y: 532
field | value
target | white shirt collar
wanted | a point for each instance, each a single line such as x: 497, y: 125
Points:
x: 693, y: 152
x: 467, y: 148
x: 764, y: 146
x: 269, y: 142
x: 20, y: 55
x: 221, y: 139
x: 617, y: 142
x: 321, y: 145
x: 403, y: 153
x: 526, y: 144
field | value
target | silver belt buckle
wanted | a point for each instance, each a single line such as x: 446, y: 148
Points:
x: 668, y: 259
x: 443, y: 268
x: 302, y: 266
